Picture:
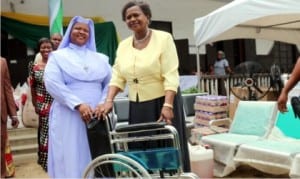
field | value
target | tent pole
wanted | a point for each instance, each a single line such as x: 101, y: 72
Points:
x: 198, y: 67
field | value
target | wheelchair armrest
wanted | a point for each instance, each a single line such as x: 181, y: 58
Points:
x: 140, y: 126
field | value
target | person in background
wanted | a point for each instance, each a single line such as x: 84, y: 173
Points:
x: 293, y: 80
x: 77, y: 77
x: 147, y: 62
x: 55, y: 39
x: 41, y: 99
x: 8, y: 108
x: 221, y: 68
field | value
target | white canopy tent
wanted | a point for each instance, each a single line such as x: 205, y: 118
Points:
x: 276, y: 20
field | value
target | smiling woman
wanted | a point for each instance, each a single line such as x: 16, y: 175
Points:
x: 41, y: 99
x: 80, y: 34
x: 77, y: 77
x: 147, y: 62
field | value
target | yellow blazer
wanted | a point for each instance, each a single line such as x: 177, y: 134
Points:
x: 148, y: 72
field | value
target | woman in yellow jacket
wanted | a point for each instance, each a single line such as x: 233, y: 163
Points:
x: 147, y: 62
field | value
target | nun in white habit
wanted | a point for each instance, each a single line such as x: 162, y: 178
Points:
x: 77, y: 77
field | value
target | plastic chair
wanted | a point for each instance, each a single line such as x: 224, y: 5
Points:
x: 276, y: 153
x: 295, y: 169
x: 253, y: 120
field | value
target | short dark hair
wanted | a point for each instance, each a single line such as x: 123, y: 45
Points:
x: 143, y: 5
x: 43, y: 40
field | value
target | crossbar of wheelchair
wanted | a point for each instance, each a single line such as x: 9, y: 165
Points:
x: 143, y: 138
x: 173, y: 134
x: 140, y: 131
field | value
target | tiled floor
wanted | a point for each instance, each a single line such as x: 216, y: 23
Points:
x: 33, y: 170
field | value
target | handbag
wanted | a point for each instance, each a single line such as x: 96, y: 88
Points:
x: 29, y: 116
x: 10, y: 167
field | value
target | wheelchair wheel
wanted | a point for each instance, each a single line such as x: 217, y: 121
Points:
x: 115, y: 166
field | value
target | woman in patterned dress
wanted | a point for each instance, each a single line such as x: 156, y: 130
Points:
x: 41, y: 100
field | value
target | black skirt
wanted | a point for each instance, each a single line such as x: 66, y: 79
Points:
x: 149, y: 111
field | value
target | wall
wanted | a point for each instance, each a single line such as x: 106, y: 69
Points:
x: 180, y: 12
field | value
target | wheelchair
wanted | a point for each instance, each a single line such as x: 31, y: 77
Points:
x: 125, y: 162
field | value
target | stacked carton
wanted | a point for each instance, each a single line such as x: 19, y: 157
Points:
x: 210, y: 107
x: 207, y: 108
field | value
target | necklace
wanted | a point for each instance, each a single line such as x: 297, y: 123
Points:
x: 143, y: 39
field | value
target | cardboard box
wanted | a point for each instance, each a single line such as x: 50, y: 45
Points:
x: 212, y: 109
